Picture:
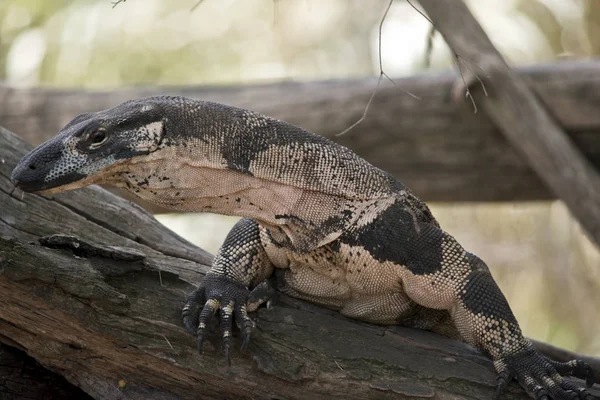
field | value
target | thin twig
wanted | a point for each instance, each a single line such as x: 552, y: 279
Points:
x: 160, y: 278
x: 466, y: 63
x: 467, y: 90
x: 429, y: 47
x: 362, y: 118
x: 420, y: 12
x: 196, y: 5
x: 339, y: 366
x: 169, y: 343
x: 466, y: 60
x: 459, y: 60
x: 381, y: 75
x: 117, y: 2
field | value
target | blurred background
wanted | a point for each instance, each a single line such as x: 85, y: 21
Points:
x: 545, y: 265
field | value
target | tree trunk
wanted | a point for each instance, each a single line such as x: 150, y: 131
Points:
x: 91, y: 286
x: 436, y: 146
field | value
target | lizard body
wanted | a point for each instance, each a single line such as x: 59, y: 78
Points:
x: 341, y: 232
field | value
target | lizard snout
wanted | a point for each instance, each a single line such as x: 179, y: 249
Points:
x: 27, y: 175
x: 43, y: 168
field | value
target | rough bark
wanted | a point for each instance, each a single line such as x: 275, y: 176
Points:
x: 518, y: 113
x: 439, y: 148
x: 22, y: 378
x: 91, y: 287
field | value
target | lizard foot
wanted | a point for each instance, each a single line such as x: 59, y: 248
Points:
x: 542, y: 378
x: 218, y: 293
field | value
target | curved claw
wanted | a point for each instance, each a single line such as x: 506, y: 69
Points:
x: 578, y: 369
x: 218, y: 293
x: 543, y: 378
x: 227, y: 350
x: 540, y: 393
x: 579, y: 393
x: 583, y: 394
x: 245, y: 324
x: 502, y: 381
x: 245, y: 341
x: 590, y: 376
x: 199, y: 342
x: 226, y: 327
x: 191, y: 309
x: 210, y: 307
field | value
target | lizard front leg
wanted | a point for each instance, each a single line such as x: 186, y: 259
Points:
x: 241, y: 264
x: 441, y: 274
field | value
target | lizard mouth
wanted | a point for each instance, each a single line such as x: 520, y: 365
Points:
x: 40, y: 170
x: 30, y: 183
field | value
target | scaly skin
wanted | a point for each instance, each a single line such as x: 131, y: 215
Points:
x: 343, y: 233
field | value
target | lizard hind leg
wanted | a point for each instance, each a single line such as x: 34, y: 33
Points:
x: 459, y: 282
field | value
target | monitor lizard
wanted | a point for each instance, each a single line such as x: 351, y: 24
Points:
x: 339, y: 231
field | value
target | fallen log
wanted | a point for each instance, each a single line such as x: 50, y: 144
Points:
x: 91, y: 286
x: 437, y: 147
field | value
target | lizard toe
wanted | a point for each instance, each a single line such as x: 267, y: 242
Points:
x: 504, y: 377
x: 540, y: 377
x: 229, y: 298
x: 226, y: 328
x: 244, y: 323
x: 538, y: 392
x: 191, y: 309
x: 581, y: 393
x: 262, y: 293
x: 208, y: 311
x: 576, y: 368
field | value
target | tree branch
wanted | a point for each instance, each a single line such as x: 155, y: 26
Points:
x: 438, y: 148
x: 521, y: 117
x: 98, y: 301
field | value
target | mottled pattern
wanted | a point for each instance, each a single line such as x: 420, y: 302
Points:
x: 242, y: 256
x: 343, y: 233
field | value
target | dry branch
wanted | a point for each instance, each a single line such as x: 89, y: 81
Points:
x: 523, y: 119
x: 438, y: 148
x: 98, y: 301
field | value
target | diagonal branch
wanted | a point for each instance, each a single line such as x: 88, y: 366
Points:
x: 521, y: 116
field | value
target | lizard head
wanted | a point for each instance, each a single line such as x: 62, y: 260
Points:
x: 89, y: 147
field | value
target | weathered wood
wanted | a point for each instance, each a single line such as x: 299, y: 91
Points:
x: 523, y: 119
x: 439, y: 148
x: 22, y: 378
x: 99, y: 301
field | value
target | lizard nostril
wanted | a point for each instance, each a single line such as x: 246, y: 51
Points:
x: 32, y: 166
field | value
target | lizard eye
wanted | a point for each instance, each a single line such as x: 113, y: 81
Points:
x: 97, y: 138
